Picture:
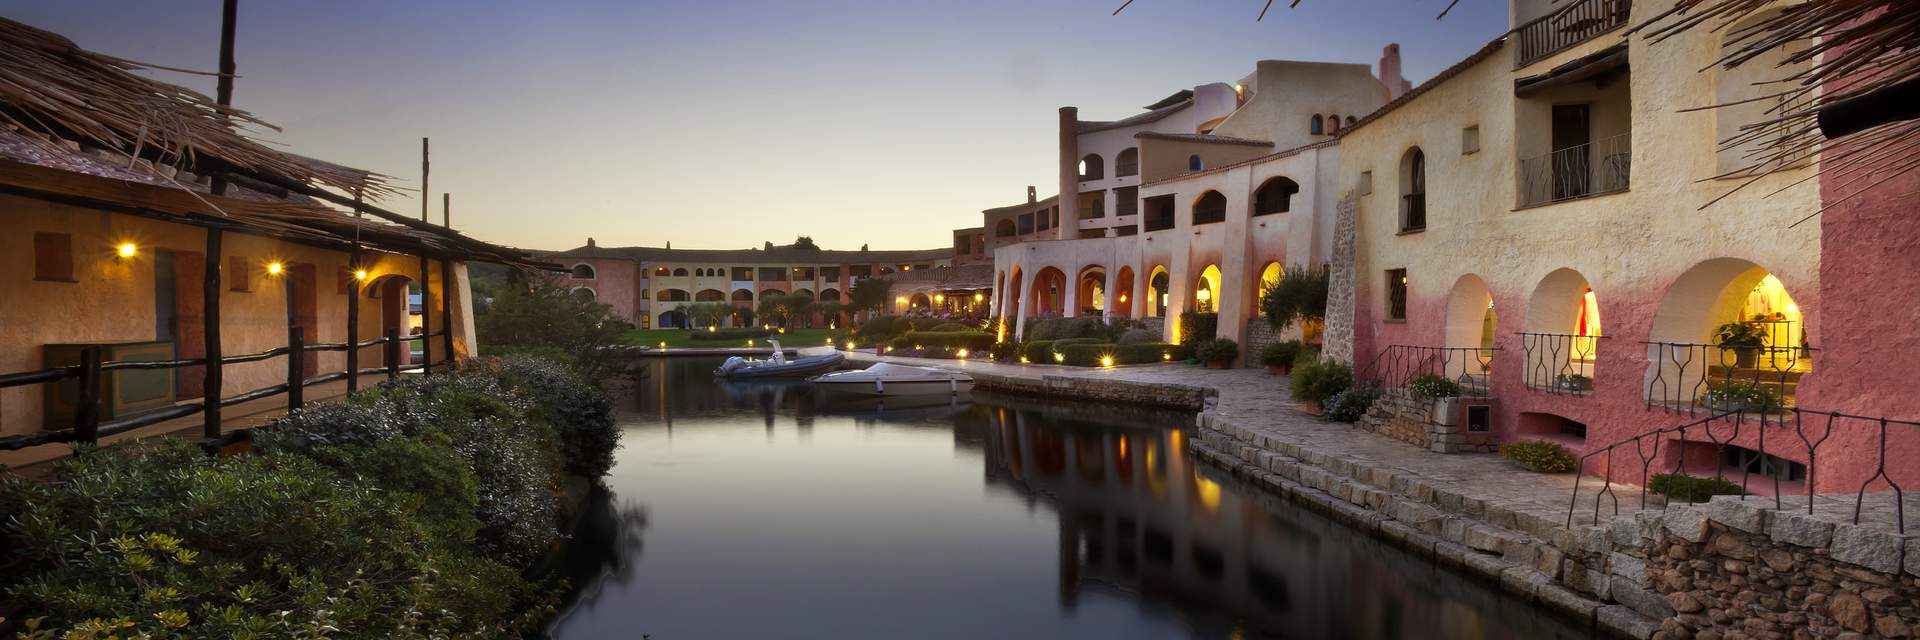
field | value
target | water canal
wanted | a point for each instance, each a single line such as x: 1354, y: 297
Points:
x: 753, y: 511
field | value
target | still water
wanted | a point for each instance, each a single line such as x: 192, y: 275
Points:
x: 755, y: 511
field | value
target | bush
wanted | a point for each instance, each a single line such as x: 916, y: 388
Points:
x: 1281, y: 354
x: 578, y: 411
x: 1539, y: 455
x: 1085, y: 354
x: 1045, y: 329
x: 1681, y: 486
x: 158, y: 539
x: 544, y: 314
x: 950, y: 327
x: 1349, y: 405
x: 1299, y: 296
x: 876, y: 328
x: 1741, y: 395
x: 1196, y: 327
x: 902, y: 324
x: 731, y: 334
x: 1037, y: 351
x: 945, y: 341
x: 1433, y: 386
x: 1136, y: 336
x: 1008, y: 351
x: 1212, y: 351
x: 1317, y: 381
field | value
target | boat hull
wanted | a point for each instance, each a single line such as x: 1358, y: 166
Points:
x: 801, y: 367
x: 882, y: 389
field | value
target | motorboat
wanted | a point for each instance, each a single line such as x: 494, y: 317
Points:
x: 889, y: 380
x: 778, y: 366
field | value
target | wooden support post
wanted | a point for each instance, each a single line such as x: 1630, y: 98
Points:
x: 86, y: 416
x: 446, y: 308
x: 426, y: 317
x: 223, y: 86
x: 353, y: 320
x: 393, y: 353
x: 296, y: 368
x: 210, y: 292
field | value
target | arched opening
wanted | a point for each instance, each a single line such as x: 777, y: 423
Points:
x: 772, y: 292
x: 1161, y: 286
x: 662, y: 271
x: 673, y: 319
x: 1005, y: 229
x: 1091, y: 291
x: 1011, y: 310
x: 1123, y: 292
x: 1470, y: 329
x: 391, y: 293
x: 1269, y: 276
x: 582, y: 271
x: 585, y: 293
x: 1092, y: 167
x: 829, y: 295
x: 1127, y: 163
x: 1318, y: 126
x: 1333, y: 124
x: 743, y: 295
x: 1275, y: 196
x: 1349, y: 121
x: 672, y: 295
x: 1211, y: 207
x: 919, y: 302
x: 1195, y: 164
x: 1413, y: 190
x: 1207, y: 294
x: 1727, y: 336
x: 710, y: 295
x: 1049, y: 289
x: 680, y: 272
x: 1562, y: 338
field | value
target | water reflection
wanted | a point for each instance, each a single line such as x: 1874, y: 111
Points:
x: 770, y: 515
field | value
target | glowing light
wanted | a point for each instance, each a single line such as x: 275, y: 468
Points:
x: 274, y: 268
x: 126, y: 249
x: 850, y: 346
x: 1106, y: 361
x: 901, y: 299
x: 919, y: 348
x: 1165, y: 357
x: 906, y: 267
x: 1123, y: 298
x: 979, y: 297
x: 1204, y: 295
x: 1059, y: 357
x: 1024, y: 360
x: 962, y: 354
x: 663, y: 345
x: 711, y: 329
x: 939, y: 297
x: 783, y: 329
x: 360, y: 274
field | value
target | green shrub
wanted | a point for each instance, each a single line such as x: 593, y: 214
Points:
x: 1044, y: 330
x: 158, y: 539
x: 1211, y: 351
x: 540, y: 313
x: 876, y: 328
x: 731, y: 334
x: 1318, y: 381
x: 1196, y: 327
x: 1085, y: 354
x: 1135, y: 336
x: 1539, y: 455
x: 950, y: 327
x: 1282, y: 353
x: 578, y: 411
x: 1299, y: 296
x: 1037, y: 351
x: 950, y: 340
x: 1008, y: 351
x: 1433, y: 386
x: 1680, y: 486
x: 1741, y: 395
x: 1146, y: 352
x: 1352, y: 403
x: 902, y: 324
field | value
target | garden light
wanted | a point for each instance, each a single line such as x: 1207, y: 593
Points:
x: 979, y: 297
x: 1165, y: 357
x: 126, y: 250
x: 1059, y: 357
x: 1024, y: 360
x: 1106, y: 361
x: 962, y: 354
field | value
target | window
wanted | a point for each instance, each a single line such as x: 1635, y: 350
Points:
x: 582, y: 272
x: 830, y: 273
x: 1396, y: 294
x: 1194, y: 163
x: 1275, y: 196
x: 1333, y: 124
x: 661, y: 272
x: 803, y: 273
x: 239, y: 276
x: 773, y: 274
x: 1127, y: 163
x: 53, y: 257
x: 1092, y: 167
x: 680, y: 272
x: 1319, y: 126
x: 1004, y: 229
x: 1365, y: 186
x: 1764, y: 464
x: 742, y: 274
x: 860, y: 271
x: 1413, y: 191
x: 1160, y: 212
x: 1349, y: 121
x: 1026, y: 223
x: 1046, y: 221
x: 1210, y: 208
x: 1470, y: 140
x: 829, y: 295
x: 673, y: 295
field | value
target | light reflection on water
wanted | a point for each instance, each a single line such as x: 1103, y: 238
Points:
x: 767, y: 515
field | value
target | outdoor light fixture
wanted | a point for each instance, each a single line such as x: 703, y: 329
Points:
x: 1204, y: 295
x: 850, y: 345
x: 939, y: 297
x: 274, y: 268
x: 126, y: 250
x: 1106, y: 361
x: 663, y: 345
x: 1024, y: 360
x: 712, y: 329
x: 1059, y: 357
x: 783, y: 329
x: 1123, y: 298
x: 1165, y: 357
x: 360, y: 274
x: 979, y: 297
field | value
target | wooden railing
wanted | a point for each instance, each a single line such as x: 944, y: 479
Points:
x: 1569, y: 25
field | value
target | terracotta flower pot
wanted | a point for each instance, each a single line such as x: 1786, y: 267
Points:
x: 1311, y: 407
x: 1216, y: 365
x: 1280, y: 369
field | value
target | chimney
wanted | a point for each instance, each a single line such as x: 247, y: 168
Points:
x: 769, y: 246
x: 1396, y: 84
x: 669, y: 245
x: 590, y: 242
x: 1032, y: 195
x: 1069, y: 201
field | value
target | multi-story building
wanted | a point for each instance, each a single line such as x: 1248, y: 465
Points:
x: 650, y: 286
x: 1189, y: 205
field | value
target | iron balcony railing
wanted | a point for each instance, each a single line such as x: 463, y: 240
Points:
x: 1399, y: 364
x: 1600, y: 167
x: 1559, y: 363
x: 1798, y: 431
x: 1413, y: 212
x: 1569, y: 25
x: 1711, y: 378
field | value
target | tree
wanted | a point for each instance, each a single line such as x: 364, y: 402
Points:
x: 708, y: 313
x: 542, y: 315
x: 777, y: 308
x: 1299, y: 296
x: 805, y: 242
x: 870, y: 294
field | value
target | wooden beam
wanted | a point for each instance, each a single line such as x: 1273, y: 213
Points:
x: 210, y: 402
x: 223, y: 88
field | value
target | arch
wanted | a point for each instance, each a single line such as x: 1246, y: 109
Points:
x: 1318, y: 126
x: 772, y: 292
x: 1333, y: 124
x: 1195, y: 164
x: 680, y: 271
x: 582, y: 271
x: 803, y: 291
x: 1207, y: 293
x: 662, y: 271
x: 1413, y: 190
x: 1159, y: 282
x: 829, y: 295
x: 1561, y: 333
x: 1092, y: 167
x: 1123, y: 292
x: 1275, y: 196
x: 1127, y: 163
x: 1011, y: 308
x: 1049, y: 291
x: 585, y: 293
x: 1270, y: 275
x: 1469, y: 306
x: 1005, y: 229
x: 1349, y: 121
x: 1708, y: 297
x: 673, y: 319
x: 1209, y: 208
x: 1090, y: 289
x: 671, y: 295
x: 743, y: 295
x: 919, y: 301
x: 710, y: 295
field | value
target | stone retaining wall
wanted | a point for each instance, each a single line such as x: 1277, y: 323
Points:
x: 1188, y: 397
x: 1403, y: 416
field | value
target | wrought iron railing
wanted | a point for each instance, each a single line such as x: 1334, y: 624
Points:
x: 1596, y: 168
x: 1569, y: 25
x: 1399, y: 364
x: 1711, y: 378
x: 1559, y: 362
x: 1413, y: 212
x: 1802, y: 431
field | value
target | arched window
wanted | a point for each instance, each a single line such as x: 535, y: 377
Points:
x: 583, y: 271
x: 1413, y: 190
x: 1275, y: 196
x: 672, y: 295
x: 742, y: 295
x: 1005, y: 229
x: 1349, y: 121
x: 1092, y: 167
x: 680, y: 272
x: 709, y: 295
x: 585, y: 293
x: 1194, y: 163
x: 829, y: 295
x: 661, y: 271
x: 1333, y: 124
x: 1319, y: 126
x: 1127, y: 163
x: 1210, y: 208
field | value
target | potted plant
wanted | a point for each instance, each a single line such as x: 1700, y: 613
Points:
x: 1746, y: 396
x: 1279, y: 356
x: 1573, y: 382
x: 1744, y: 339
x: 1217, y: 354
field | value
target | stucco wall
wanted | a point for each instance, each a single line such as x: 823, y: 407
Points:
x: 1286, y: 95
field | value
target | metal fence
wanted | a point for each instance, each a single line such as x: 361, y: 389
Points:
x: 1599, y: 167
x: 1711, y: 378
x: 1399, y: 364
x: 1559, y: 362
x: 1567, y: 26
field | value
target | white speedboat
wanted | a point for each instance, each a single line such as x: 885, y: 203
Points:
x: 889, y: 380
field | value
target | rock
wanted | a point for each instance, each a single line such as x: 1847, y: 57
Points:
x: 1687, y: 523
x: 1683, y: 602
x: 1891, y: 627
x: 1644, y: 602
x: 1868, y: 547
x: 1850, y: 612
x: 1733, y: 545
x: 1800, y: 529
x: 1878, y: 596
x: 1777, y: 559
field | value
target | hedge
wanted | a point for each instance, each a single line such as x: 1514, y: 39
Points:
x: 732, y: 334
x: 1691, y: 488
x: 1089, y: 354
x: 945, y: 341
x: 1320, y: 380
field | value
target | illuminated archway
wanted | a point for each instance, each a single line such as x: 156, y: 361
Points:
x: 1269, y: 276
x: 1049, y: 291
x: 1693, y: 340
x: 1207, y: 294
x: 1123, y: 292
x: 1470, y: 325
x: 1091, y: 289
x: 1561, y: 340
x: 1161, y: 286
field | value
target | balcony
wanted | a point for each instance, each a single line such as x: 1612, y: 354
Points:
x: 1413, y: 212
x: 1567, y: 26
x: 1580, y: 171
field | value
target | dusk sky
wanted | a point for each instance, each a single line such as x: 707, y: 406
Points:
x: 720, y: 124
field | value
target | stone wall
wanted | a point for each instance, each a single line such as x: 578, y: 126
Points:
x: 1259, y: 332
x: 1176, y: 396
x: 1338, y: 342
x: 1403, y: 416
